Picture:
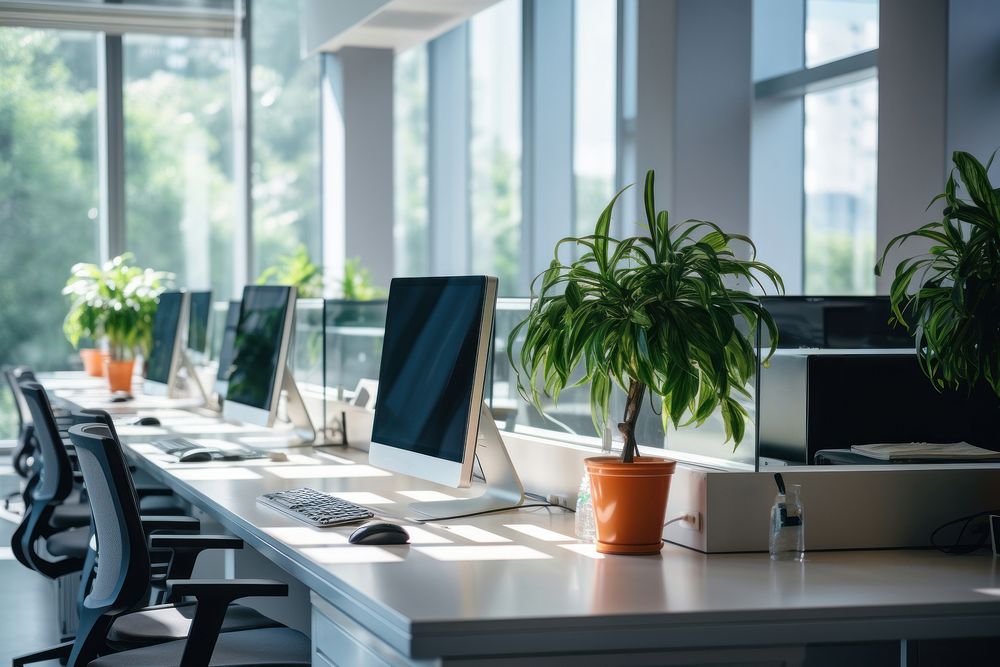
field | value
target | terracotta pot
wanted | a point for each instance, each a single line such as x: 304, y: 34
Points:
x: 93, y: 361
x: 630, y: 503
x: 119, y: 374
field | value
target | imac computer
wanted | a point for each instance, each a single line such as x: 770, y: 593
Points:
x: 259, y: 370
x: 167, y: 355
x: 199, y: 308
x: 227, y: 350
x: 430, y: 419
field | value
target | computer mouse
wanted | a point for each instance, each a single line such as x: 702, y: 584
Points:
x: 380, y: 532
x: 120, y: 397
x: 196, y: 455
x: 146, y: 421
x: 277, y: 457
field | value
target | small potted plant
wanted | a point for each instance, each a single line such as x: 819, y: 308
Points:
x: 83, y: 321
x: 659, y: 313
x: 949, y: 295
x: 115, y: 302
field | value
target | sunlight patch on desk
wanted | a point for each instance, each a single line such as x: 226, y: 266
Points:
x: 363, y: 497
x: 420, y: 535
x: 302, y: 536
x: 307, y: 472
x: 584, y: 549
x: 6, y: 553
x: 333, y: 457
x: 144, y: 448
x: 492, y: 552
x: 995, y: 592
x: 350, y: 554
x: 212, y: 474
x: 212, y: 428
x: 130, y: 431
x: 473, y: 533
x: 426, y: 496
x: 539, y: 533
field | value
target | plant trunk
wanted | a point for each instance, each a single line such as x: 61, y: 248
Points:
x: 633, y: 403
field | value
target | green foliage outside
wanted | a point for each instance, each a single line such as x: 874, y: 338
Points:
x: 358, y: 285
x: 949, y: 296
x: 661, y: 312
x: 295, y: 269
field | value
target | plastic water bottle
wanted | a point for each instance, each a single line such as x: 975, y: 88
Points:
x: 585, y: 529
x: 787, y: 540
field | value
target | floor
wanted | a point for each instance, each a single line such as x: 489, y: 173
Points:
x: 27, y: 600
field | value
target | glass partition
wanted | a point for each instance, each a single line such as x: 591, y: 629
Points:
x: 354, y: 331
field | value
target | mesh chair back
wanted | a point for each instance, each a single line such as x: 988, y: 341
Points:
x: 23, y: 452
x: 56, y: 481
x: 15, y: 376
x: 122, y: 576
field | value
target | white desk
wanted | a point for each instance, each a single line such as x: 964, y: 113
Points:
x: 518, y: 584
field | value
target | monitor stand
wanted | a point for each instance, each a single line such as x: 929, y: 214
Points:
x: 295, y: 409
x: 503, y: 487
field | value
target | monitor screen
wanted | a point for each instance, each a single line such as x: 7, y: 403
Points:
x: 258, y: 345
x: 228, y: 347
x: 201, y: 304
x: 168, y: 313
x: 428, y: 368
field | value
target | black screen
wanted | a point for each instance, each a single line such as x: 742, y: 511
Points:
x: 228, y: 349
x: 201, y: 304
x: 258, y: 343
x: 428, y: 368
x: 168, y: 312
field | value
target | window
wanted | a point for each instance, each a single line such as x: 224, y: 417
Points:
x: 594, y: 108
x: 178, y: 158
x: 815, y: 136
x: 411, y: 162
x: 495, y: 143
x: 48, y: 190
x: 839, y: 28
x: 285, y: 120
x: 841, y: 135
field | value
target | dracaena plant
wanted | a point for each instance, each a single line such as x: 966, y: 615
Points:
x: 659, y: 312
x: 949, y: 296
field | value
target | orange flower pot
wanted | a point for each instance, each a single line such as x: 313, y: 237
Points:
x: 93, y: 361
x: 630, y: 503
x: 119, y: 374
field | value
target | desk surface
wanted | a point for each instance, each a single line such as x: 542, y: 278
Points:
x: 470, y: 586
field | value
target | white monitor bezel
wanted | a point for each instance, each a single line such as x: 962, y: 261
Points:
x: 456, y: 474
x: 155, y: 387
x: 249, y: 414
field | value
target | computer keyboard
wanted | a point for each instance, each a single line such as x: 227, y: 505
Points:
x: 314, y: 507
x: 178, y: 446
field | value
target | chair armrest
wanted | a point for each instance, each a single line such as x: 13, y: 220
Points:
x: 184, y: 550
x: 214, y: 596
x: 226, y: 590
x: 194, y: 542
x: 145, y: 491
x: 182, y: 523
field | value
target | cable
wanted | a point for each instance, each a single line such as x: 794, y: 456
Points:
x: 957, y: 547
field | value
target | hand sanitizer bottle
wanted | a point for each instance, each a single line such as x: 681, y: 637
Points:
x: 787, y: 540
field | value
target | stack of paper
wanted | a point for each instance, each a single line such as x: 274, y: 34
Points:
x: 895, y: 451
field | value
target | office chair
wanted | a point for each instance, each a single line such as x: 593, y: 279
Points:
x: 21, y: 457
x: 123, y: 573
x: 62, y: 528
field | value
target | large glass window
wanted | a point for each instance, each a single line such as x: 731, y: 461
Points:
x: 179, y: 198
x: 48, y: 190
x: 411, y: 166
x: 495, y: 150
x: 841, y: 164
x: 285, y: 119
x: 594, y: 105
x: 839, y: 28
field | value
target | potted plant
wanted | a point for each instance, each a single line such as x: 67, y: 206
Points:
x: 83, y: 321
x: 659, y: 313
x: 949, y: 296
x: 298, y: 270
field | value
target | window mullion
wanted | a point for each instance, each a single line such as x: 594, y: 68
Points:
x: 111, y: 149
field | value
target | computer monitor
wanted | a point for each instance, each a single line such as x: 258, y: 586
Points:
x: 259, y: 372
x: 197, y: 332
x: 227, y: 350
x: 165, y: 355
x: 430, y: 419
